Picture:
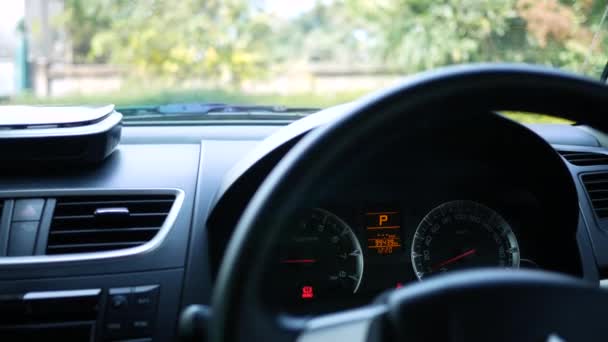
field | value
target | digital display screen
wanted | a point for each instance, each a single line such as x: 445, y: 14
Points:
x: 383, y: 232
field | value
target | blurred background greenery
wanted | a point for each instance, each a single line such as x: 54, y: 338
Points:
x: 324, y: 53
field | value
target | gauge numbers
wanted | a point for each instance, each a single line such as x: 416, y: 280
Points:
x: 463, y: 234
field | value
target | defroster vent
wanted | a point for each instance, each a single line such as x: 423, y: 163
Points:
x: 102, y: 223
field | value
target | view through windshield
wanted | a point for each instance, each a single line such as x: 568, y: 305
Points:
x: 274, y: 52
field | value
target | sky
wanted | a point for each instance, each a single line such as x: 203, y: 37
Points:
x: 12, y: 11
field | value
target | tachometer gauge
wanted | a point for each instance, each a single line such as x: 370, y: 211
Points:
x: 320, y: 257
x: 463, y: 234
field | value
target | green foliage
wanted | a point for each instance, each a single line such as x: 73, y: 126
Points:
x: 83, y: 20
x: 414, y: 35
x: 159, y: 95
x: 233, y: 40
x: 208, y: 39
x: 418, y: 35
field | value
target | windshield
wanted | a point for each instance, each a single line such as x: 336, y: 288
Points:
x: 308, y: 54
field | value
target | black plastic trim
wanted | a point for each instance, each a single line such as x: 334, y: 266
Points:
x: 5, y: 222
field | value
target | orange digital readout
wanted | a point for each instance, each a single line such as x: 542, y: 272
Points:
x: 384, y: 243
x: 383, y: 232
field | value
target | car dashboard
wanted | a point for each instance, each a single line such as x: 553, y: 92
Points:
x: 377, y: 221
x: 374, y: 238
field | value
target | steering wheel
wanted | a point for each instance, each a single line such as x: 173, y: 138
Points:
x: 474, y: 305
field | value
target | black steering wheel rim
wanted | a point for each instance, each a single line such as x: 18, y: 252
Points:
x: 504, y: 87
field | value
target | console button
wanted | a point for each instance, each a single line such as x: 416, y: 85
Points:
x: 118, y: 301
x: 115, y: 329
x: 145, y: 297
x: 28, y: 209
x: 22, y: 238
x: 140, y: 327
x: 119, y: 291
x: 132, y: 310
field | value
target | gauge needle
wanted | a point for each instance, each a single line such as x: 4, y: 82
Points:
x: 454, y: 259
x: 298, y: 261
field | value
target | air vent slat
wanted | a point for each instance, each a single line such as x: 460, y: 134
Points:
x: 105, y: 230
x: 598, y: 191
x: 72, y: 207
x: 596, y: 185
x: 601, y: 212
x: 91, y: 247
x: 589, y: 161
x: 598, y: 181
x: 169, y: 201
x: 76, y: 228
x: 83, y: 217
x: 584, y: 158
x: 578, y: 154
x: 93, y: 222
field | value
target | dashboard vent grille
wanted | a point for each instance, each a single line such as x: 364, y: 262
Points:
x: 585, y: 158
x: 102, y: 223
x: 597, y: 189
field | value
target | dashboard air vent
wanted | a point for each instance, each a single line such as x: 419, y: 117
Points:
x: 585, y: 158
x: 102, y: 223
x: 597, y: 188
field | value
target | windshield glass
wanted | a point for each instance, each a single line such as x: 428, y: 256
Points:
x: 305, y: 54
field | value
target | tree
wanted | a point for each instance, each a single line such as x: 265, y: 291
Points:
x: 232, y: 40
x: 211, y: 39
x: 82, y: 20
x: 325, y: 34
x: 418, y: 34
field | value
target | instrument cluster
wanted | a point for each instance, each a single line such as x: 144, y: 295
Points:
x: 338, y: 255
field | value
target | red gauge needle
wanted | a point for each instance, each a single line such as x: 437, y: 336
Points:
x: 454, y: 259
x: 298, y: 261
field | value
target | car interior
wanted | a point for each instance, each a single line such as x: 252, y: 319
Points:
x: 416, y: 213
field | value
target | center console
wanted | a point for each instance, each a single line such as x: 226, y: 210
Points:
x: 140, y: 307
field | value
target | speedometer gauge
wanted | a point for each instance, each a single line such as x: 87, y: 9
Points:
x: 463, y: 234
x: 320, y: 256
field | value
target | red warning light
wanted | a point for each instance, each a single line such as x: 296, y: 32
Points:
x: 399, y: 285
x: 307, y: 292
